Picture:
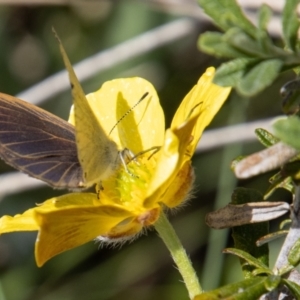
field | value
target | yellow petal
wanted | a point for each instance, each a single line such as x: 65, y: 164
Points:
x: 27, y: 222
x: 66, y: 227
x: 185, y: 136
x: 172, y: 157
x: 125, y: 230
x: 166, y: 168
x: 67, y: 200
x: 137, y: 130
x: 20, y: 222
x: 205, y: 98
x: 179, y: 190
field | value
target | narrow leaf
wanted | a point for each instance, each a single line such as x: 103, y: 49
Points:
x: 265, y: 160
x: 245, y: 236
x: 272, y: 282
x: 290, y: 24
x: 265, y: 42
x: 264, y: 16
x: 279, y: 180
x: 265, y: 137
x: 240, y: 214
x: 229, y: 73
x: 271, y: 237
x: 243, y: 42
x: 294, y: 254
x: 213, y: 43
x: 248, y: 289
x: 227, y: 14
x: 259, y: 77
x: 293, y: 287
x: 248, y: 258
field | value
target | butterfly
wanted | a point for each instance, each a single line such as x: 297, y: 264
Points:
x: 46, y: 147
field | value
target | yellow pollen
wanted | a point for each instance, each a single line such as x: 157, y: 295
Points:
x: 129, y: 187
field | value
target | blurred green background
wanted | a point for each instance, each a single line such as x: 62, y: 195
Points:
x: 142, y: 269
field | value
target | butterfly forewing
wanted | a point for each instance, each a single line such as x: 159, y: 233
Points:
x: 38, y: 143
x: 98, y: 154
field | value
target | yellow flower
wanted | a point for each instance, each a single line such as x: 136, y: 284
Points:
x: 132, y: 197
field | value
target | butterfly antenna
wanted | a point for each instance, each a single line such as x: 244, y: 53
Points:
x: 128, y: 112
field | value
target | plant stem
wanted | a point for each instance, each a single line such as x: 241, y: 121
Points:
x: 171, y: 240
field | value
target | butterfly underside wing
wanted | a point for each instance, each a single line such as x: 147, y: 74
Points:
x: 39, y: 143
x: 97, y: 153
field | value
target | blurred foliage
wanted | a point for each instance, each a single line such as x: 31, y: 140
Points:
x: 142, y: 269
x: 256, y: 60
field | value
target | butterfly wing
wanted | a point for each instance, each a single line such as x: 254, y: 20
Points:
x: 39, y: 143
x: 97, y: 153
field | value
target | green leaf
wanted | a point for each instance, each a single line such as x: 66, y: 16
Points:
x: 285, y: 178
x: 257, y: 272
x: 288, y: 130
x: 245, y: 236
x: 249, y: 259
x: 293, y: 287
x: 285, y: 223
x: 244, y: 43
x: 265, y: 42
x: 269, y: 238
x: 294, y: 254
x: 264, y: 16
x: 213, y: 43
x: 265, y: 137
x: 227, y: 14
x: 259, y: 77
x: 279, y: 180
x: 290, y: 24
x: 259, y: 47
x: 228, y: 74
x: 248, y: 289
x: 272, y: 282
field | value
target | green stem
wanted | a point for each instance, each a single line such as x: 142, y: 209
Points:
x: 171, y: 240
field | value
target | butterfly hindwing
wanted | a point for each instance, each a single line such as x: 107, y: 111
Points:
x: 39, y: 143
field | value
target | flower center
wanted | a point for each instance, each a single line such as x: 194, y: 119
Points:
x: 128, y: 187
